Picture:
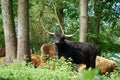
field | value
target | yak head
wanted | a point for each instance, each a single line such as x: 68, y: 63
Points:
x: 58, y: 38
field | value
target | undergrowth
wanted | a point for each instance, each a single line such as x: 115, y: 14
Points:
x: 55, y: 69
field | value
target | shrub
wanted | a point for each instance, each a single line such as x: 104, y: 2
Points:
x: 55, y: 69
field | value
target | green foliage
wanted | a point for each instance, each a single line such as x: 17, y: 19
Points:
x: 59, y: 64
x: 1, y: 37
x: 1, y: 30
x: 71, y: 17
x: 56, y: 69
x: 15, y: 7
x: 107, y: 39
x: 41, y: 10
x: 18, y: 71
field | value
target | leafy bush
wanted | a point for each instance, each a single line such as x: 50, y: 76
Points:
x: 19, y: 71
x: 55, y: 69
x: 59, y: 64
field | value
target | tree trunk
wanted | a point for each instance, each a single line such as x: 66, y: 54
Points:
x: 83, y: 20
x: 9, y: 30
x: 23, y: 51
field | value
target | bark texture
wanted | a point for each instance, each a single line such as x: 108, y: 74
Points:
x: 83, y: 20
x: 23, y: 50
x: 9, y: 30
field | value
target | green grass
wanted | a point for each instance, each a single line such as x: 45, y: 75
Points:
x: 61, y: 70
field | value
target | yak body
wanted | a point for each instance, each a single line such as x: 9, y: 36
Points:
x: 47, y: 51
x: 79, y: 52
x: 105, y: 65
x: 36, y: 60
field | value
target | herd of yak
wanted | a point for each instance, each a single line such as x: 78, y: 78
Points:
x: 83, y: 54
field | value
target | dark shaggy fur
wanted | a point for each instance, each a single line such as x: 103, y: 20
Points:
x: 79, y: 52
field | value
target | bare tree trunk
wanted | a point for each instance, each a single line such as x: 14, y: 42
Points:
x: 83, y: 20
x: 23, y: 52
x: 9, y: 30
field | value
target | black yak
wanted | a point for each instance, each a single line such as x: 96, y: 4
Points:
x: 104, y: 64
x: 79, y: 52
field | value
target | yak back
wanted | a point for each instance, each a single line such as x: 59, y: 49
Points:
x: 84, y: 47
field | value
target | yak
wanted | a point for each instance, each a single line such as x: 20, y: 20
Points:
x: 47, y: 51
x: 104, y: 64
x: 79, y: 52
x: 36, y: 60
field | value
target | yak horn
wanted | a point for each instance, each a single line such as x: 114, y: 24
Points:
x: 45, y: 28
x: 70, y: 35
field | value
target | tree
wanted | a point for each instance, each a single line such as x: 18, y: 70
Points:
x: 9, y: 30
x: 23, y: 49
x: 83, y: 20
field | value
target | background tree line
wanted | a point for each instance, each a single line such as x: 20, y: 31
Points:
x: 103, y: 21
x: 102, y: 27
